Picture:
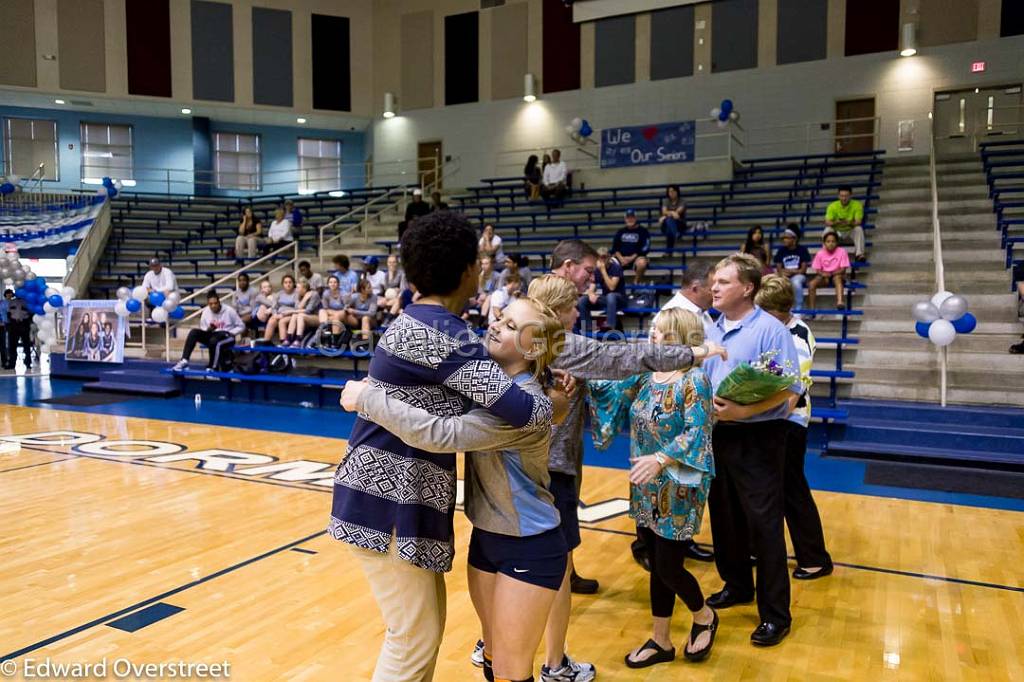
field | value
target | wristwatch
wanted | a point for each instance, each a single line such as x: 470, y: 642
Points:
x: 661, y: 459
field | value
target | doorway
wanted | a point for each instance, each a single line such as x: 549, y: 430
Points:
x: 965, y: 117
x: 855, y: 125
x: 428, y: 162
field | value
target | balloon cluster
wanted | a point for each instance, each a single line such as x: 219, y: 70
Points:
x: 110, y: 188
x: 579, y: 130
x: 164, y: 307
x: 9, y: 185
x: 42, y: 300
x: 943, y: 317
x: 725, y: 113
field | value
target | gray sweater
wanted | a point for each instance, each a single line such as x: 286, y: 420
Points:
x: 585, y: 358
x: 506, y: 468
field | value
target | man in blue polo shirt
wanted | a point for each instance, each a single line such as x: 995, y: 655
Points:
x: 631, y: 245
x: 749, y: 441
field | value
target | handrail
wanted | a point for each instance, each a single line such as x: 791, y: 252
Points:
x: 89, y: 250
x: 364, y: 209
x: 940, y: 271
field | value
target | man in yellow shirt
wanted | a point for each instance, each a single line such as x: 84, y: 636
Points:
x: 845, y: 218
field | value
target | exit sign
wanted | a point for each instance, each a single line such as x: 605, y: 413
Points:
x: 977, y: 67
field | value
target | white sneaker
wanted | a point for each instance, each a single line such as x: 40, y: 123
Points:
x: 181, y: 364
x: 477, y: 657
x: 570, y: 671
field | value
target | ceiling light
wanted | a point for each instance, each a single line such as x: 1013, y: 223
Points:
x: 337, y: 193
x: 300, y: 120
x: 529, y: 88
x: 909, y: 47
x: 186, y: 111
x: 389, y: 105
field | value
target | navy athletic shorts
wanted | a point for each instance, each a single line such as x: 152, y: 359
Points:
x: 535, y: 559
x: 563, y: 487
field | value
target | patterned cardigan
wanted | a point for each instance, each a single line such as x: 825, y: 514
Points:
x: 384, y: 489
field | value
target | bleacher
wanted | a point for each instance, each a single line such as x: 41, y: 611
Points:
x: 768, y: 192
x: 1003, y: 163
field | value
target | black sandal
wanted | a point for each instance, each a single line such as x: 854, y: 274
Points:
x: 662, y: 655
x: 695, y: 631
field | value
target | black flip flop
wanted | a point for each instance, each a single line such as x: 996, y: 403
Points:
x: 662, y: 656
x: 695, y: 631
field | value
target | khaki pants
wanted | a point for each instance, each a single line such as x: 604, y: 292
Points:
x: 413, y: 603
x: 854, y: 237
x: 248, y: 244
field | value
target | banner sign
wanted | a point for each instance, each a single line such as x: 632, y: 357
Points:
x: 649, y: 144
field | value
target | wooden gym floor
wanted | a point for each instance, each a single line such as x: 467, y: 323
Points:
x: 135, y: 549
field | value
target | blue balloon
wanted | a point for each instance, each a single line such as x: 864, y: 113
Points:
x: 966, y: 324
x: 107, y: 182
x: 6, y: 188
x: 585, y: 129
x: 723, y: 115
x: 56, y: 301
x: 922, y: 329
x: 156, y: 298
x: 132, y: 305
x: 726, y: 106
x: 177, y: 314
x: 21, y: 292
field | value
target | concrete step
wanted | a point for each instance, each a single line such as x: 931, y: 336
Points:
x: 952, y: 220
x: 912, y: 208
x: 887, y: 259
x: 930, y: 393
x: 904, y: 324
x: 976, y: 342
x: 949, y: 193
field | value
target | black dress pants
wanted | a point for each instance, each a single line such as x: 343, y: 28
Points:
x: 746, y: 502
x: 219, y: 343
x: 19, y: 332
x: 802, y: 516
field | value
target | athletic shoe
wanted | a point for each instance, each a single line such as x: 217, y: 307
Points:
x: 477, y: 657
x: 569, y: 671
x: 181, y: 364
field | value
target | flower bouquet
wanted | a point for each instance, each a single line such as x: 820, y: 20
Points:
x: 752, y: 382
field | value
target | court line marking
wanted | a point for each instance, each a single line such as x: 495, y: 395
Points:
x: 37, y: 464
x: 160, y: 597
x: 613, y: 531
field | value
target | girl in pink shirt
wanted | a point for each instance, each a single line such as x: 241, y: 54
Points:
x: 830, y: 264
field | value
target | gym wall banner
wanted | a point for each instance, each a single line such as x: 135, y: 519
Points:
x: 648, y: 144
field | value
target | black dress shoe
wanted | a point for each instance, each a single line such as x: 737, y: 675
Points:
x: 695, y: 551
x: 727, y: 598
x: 580, y: 585
x: 769, y: 634
x: 801, y: 574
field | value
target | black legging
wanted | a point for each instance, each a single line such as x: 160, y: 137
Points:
x: 669, y: 579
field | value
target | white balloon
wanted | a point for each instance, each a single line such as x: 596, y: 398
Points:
x: 120, y: 309
x: 68, y: 293
x: 734, y: 115
x: 139, y: 293
x: 577, y: 123
x: 29, y: 275
x: 37, y: 319
x: 13, y: 179
x: 159, y: 315
x: 715, y: 112
x: 174, y: 297
x: 47, y: 308
x: 169, y: 305
x: 50, y: 291
x: 941, y: 332
x: 118, y: 185
x: 46, y: 324
x: 938, y: 298
x: 123, y: 293
x: 18, y: 282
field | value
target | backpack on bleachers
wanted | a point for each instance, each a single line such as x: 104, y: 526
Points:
x: 250, y: 362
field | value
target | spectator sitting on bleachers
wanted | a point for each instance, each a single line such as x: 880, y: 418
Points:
x: 756, y: 247
x: 694, y: 294
x: 489, y: 280
x: 673, y: 217
x: 159, y: 279
x: 525, y: 273
x: 361, y: 312
x: 308, y: 314
x: 490, y: 244
x: 416, y: 208
x: 436, y: 204
x: 830, y: 265
x: 286, y: 302
x: 555, y: 177
x: 315, y: 279
x: 280, y: 232
x: 394, y: 276
x: 845, y: 217
x: 631, y: 245
x: 532, y: 178
x: 244, y: 298
x: 608, y: 292
x: 262, y: 305
x: 347, y: 278
x: 294, y: 214
x: 791, y: 261
x: 374, y: 275
x: 249, y: 232
x: 332, y: 311
x: 218, y: 326
x: 504, y: 295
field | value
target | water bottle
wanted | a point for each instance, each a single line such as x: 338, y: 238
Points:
x: 199, y: 400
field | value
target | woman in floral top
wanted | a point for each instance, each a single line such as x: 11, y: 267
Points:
x: 670, y: 420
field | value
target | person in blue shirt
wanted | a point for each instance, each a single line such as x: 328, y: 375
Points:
x: 792, y: 260
x: 749, y: 441
x: 608, y: 292
x: 394, y: 504
x: 347, y: 277
x: 631, y: 245
x: 294, y: 214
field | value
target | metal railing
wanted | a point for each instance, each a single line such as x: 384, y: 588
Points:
x: 365, y: 210
x: 811, y: 137
x: 89, y: 251
x: 940, y: 271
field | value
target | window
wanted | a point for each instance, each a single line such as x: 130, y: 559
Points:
x: 106, y: 152
x: 236, y: 161
x: 319, y: 165
x: 28, y: 143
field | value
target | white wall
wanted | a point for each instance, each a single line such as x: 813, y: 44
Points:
x: 484, y: 135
